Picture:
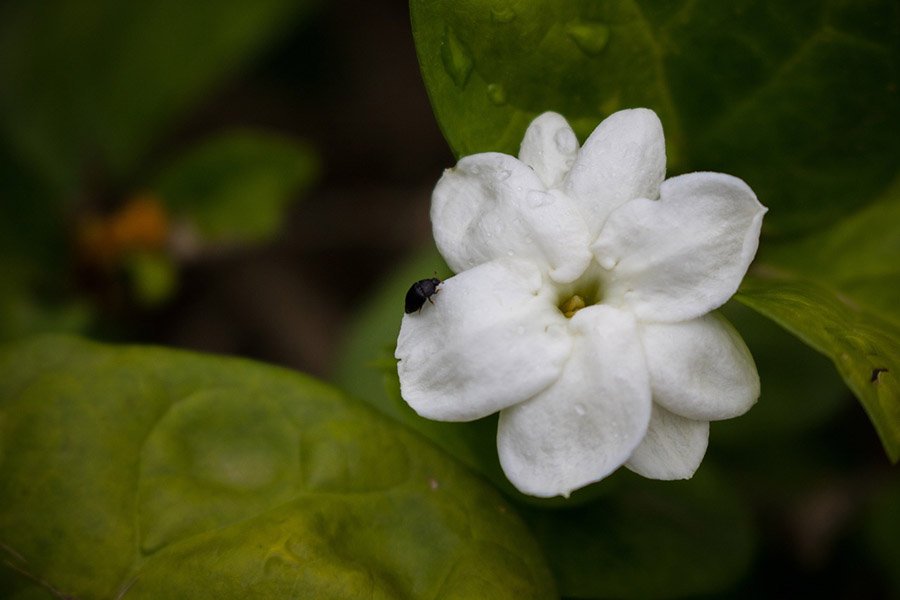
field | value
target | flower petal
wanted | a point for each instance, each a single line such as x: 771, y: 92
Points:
x: 588, y: 423
x: 492, y: 338
x: 494, y: 206
x: 684, y: 255
x: 624, y: 158
x: 673, y: 447
x: 549, y: 147
x: 700, y: 369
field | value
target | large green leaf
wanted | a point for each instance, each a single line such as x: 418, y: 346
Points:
x: 93, y: 82
x: 864, y: 346
x: 839, y: 291
x: 799, y: 98
x: 237, y: 185
x: 153, y: 473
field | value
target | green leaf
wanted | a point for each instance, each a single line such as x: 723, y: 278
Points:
x: 864, y: 346
x: 237, y: 186
x: 97, y: 81
x: 799, y: 99
x: 839, y: 291
x: 156, y: 473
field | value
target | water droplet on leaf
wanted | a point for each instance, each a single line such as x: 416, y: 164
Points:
x: 496, y: 94
x: 456, y: 59
x: 591, y: 38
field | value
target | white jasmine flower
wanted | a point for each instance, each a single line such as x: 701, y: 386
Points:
x: 581, y: 308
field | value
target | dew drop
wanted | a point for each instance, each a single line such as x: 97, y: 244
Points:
x: 591, y: 38
x: 608, y: 262
x: 503, y: 14
x: 565, y: 139
x: 510, y: 253
x: 502, y: 175
x: 496, y: 94
x: 456, y: 59
x: 579, y: 410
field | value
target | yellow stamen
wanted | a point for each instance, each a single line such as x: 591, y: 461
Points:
x: 572, y: 306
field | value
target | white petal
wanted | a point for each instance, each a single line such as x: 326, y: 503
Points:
x: 549, y: 147
x: 700, y: 369
x: 494, y: 206
x: 684, y: 255
x: 673, y: 447
x: 624, y: 158
x: 588, y: 423
x: 492, y: 338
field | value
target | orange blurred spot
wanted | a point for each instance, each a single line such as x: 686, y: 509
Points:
x: 141, y: 224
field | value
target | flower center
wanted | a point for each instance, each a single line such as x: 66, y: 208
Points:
x: 587, y: 291
x: 572, y: 306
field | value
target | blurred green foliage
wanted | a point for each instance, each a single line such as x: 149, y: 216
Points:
x: 236, y: 186
x: 96, y: 81
x: 89, y: 90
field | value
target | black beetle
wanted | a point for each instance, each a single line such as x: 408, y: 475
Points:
x: 419, y: 292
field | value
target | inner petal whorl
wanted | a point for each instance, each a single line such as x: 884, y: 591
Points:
x: 581, y: 293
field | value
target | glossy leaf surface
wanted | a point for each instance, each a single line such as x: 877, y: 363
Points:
x: 152, y: 473
x: 799, y: 99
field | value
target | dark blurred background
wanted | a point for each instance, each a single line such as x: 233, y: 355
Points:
x: 340, y: 78
x: 346, y: 80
